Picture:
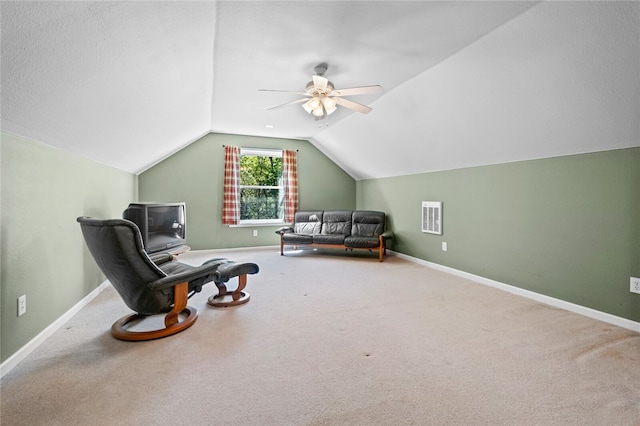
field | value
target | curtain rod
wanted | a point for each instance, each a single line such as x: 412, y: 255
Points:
x: 297, y: 150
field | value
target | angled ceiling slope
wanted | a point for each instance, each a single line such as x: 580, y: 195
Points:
x: 122, y: 83
x: 466, y: 83
x: 562, y: 78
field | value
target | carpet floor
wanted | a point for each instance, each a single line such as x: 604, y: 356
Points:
x: 334, y: 339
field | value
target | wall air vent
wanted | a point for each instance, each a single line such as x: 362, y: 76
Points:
x: 432, y: 217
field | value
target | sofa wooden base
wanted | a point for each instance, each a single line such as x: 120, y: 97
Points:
x: 382, y: 250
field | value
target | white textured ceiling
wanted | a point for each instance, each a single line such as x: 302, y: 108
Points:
x: 466, y: 83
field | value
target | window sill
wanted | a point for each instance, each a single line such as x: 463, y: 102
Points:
x: 250, y: 223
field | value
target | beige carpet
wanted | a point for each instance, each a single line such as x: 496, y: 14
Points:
x: 336, y: 340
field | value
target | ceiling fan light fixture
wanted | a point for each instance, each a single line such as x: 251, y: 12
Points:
x: 314, y: 103
x: 315, y: 106
x: 329, y: 104
x: 307, y: 107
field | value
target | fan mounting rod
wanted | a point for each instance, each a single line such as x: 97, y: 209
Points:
x: 321, y: 68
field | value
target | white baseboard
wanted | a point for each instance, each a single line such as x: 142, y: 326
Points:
x: 558, y: 303
x: 24, y: 351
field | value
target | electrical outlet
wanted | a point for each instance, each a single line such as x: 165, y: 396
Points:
x: 635, y: 285
x: 444, y: 246
x: 255, y: 232
x: 22, y: 305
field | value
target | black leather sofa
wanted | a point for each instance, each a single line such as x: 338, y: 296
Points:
x: 345, y: 229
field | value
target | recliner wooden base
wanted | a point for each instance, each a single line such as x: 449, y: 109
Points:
x: 172, y: 321
x: 119, y: 331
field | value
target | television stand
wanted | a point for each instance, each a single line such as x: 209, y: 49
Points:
x: 178, y: 250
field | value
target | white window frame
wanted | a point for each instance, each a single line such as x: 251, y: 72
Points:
x: 262, y: 152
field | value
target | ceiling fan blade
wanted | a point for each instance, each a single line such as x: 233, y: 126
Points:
x: 364, y: 90
x: 320, y: 83
x: 353, y: 105
x: 297, y: 101
x: 285, y: 91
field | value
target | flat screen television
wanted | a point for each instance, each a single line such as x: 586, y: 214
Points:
x: 163, y: 225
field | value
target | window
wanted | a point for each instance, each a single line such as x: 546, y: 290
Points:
x: 261, y: 186
x: 268, y: 187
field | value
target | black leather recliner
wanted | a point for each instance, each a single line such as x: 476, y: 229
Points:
x: 156, y: 284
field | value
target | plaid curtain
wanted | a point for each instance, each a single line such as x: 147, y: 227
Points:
x: 231, y: 186
x: 290, y: 183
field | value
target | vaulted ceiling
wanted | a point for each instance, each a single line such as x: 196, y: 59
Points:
x: 466, y: 83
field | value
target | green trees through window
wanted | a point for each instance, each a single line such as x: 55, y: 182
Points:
x: 261, y: 185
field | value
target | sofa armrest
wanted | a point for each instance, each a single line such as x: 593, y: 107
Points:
x: 284, y: 230
x: 387, y: 235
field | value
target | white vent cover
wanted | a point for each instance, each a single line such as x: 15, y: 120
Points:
x: 432, y: 217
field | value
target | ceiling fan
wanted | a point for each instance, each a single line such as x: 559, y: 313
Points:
x: 321, y: 98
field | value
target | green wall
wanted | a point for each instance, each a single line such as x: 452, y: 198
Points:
x: 566, y: 227
x: 42, y: 251
x: 195, y: 174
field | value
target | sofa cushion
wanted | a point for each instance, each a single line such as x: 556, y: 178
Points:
x: 337, y: 222
x: 329, y: 239
x: 296, y: 239
x: 307, y: 222
x: 362, y: 242
x: 367, y: 223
